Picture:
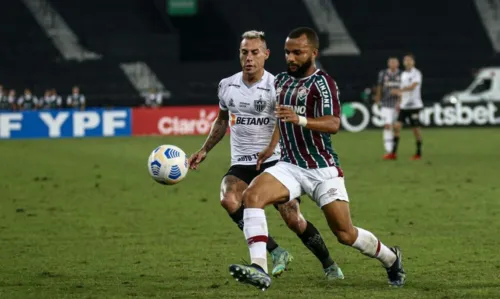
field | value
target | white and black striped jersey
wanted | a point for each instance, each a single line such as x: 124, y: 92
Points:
x: 389, y: 80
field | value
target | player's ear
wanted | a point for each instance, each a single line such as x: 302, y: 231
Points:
x: 315, y: 53
x: 268, y: 52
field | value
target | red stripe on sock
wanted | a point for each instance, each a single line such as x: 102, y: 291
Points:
x: 378, y: 248
x: 255, y: 239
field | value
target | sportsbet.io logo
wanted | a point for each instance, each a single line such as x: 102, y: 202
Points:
x: 355, y: 117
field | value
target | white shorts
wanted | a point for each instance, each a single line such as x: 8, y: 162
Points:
x: 389, y: 115
x: 323, y: 185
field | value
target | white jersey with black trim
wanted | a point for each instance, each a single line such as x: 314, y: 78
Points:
x: 411, y: 99
x: 251, y: 116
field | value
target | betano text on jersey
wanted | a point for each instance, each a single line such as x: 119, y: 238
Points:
x: 251, y: 116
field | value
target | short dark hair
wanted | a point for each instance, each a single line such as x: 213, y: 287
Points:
x: 410, y: 55
x: 312, y: 36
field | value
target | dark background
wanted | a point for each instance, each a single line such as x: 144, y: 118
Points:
x: 190, y: 54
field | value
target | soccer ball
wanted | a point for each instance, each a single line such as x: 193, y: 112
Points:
x: 168, y: 164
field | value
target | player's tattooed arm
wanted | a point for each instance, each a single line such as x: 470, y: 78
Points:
x: 219, y: 129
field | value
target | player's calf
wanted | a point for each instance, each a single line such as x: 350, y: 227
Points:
x: 309, y: 235
x: 291, y: 215
x: 338, y: 216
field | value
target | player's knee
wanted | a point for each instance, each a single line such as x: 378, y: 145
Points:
x: 230, y: 201
x: 251, y: 198
x: 346, y: 237
x: 387, y: 126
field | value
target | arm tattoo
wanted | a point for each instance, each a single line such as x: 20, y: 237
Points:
x: 217, y: 132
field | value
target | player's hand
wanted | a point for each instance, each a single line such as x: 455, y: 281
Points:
x: 286, y: 114
x: 265, y: 154
x: 196, y: 158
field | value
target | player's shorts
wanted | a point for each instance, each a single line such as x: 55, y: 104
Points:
x: 389, y: 115
x: 410, y: 117
x: 323, y: 185
x: 247, y: 173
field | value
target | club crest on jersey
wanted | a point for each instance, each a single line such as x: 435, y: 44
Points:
x: 259, y: 104
x: 231, y: 103
x: 302, y: 93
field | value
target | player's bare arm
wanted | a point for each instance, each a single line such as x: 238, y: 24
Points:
x: 219, y: 129
x: 408, y: 88
x: 268, y: 151
x: 325, y: 124
x: 378, y: 94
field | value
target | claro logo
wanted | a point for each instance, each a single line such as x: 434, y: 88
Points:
x: 173, y: 125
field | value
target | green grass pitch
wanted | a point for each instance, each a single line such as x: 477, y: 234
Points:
x: 81, y: 218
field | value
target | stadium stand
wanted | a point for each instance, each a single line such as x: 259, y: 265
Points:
x: 448, y: 47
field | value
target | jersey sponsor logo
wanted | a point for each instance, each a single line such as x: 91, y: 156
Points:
x: 302, y: 93
x: 259, y: 104
x: 249, y: 121
x: 248, y: 158
x: 323, y: 89
x: 391, y: 84
x: 300, y: 110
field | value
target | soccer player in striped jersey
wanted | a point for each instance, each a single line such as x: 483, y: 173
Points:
x: 388, y: 80
x: 247, y: 101
x: 308, y: 110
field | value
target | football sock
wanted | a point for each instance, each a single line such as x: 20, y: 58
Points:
x: 238, y: 219
x: 313, y: 241
x: 395, y: 146
x: 419, y: 147
x: 255, y: 230
x: 388, y: 140
x: 370, y: 246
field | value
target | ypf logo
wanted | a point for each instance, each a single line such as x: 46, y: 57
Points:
x: 355, y: 117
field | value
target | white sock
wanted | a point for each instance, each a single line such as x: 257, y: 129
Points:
x: 370, y: 246
x: 255, y: 229
x: 388, y: 140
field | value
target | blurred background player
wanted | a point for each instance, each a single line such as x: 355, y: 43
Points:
x: 247, y: 101
x: 27, y: 101
x: 76, y: 100
x: 153, y: 98
x: 308, y: 110
x: 411, y: 104
x: 51, y: 99
x: 388, y: 79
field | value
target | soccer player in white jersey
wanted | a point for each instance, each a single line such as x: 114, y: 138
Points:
x: 411, y: 104
x: 247, y: 102
x: 308, y: 110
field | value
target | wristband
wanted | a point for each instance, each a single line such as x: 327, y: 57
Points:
x: 302, y: 121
